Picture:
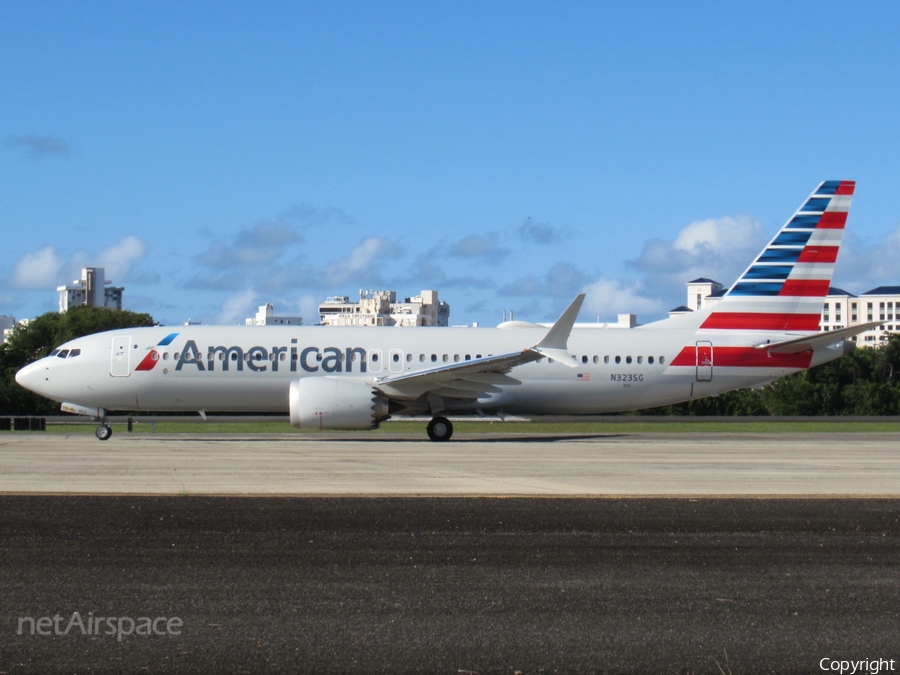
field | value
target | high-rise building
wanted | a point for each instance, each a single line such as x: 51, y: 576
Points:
x: 92, y: 290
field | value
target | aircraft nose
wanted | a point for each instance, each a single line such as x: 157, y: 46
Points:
x: 33, y: 377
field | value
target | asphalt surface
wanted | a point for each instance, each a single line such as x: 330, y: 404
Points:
x: 451, y: 585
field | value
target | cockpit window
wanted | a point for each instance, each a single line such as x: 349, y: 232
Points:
x: 74, y: 353
x: 53, y: 353
x: 63, y: 353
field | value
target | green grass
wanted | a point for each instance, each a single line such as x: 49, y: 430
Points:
x: 826, y: 426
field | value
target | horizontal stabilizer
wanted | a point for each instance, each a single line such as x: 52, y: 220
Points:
x: 812, y: 342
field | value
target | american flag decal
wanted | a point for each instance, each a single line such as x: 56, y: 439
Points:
x: 583, y: 377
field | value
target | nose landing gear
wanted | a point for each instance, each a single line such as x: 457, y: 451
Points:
x: 440, y: 429
x: 103, y: 432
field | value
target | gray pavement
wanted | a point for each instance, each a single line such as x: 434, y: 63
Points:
x: 449, y: 585
x: 475, y: 464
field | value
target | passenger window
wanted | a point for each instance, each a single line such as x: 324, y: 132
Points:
x: 456, y: 358
x: 434, y: 358
x: 63, y: 354
x: 446, y: 358
x: 662, y: 359
x: 584, y: 359
x: 395, y: 358
x: 596, y: 359
x: 408, y: 358
x: 605, y: 359
x: 74, y: 353
x: 165, y: 356
x: 421, y: 358
x: 618, y: 359
x: 627, y: 359
x: 374, y: 357
x: 478, y: 356
x: 282, y: 356
x: 640, y: 359
x: 468, y: 357
x: 649, y: 359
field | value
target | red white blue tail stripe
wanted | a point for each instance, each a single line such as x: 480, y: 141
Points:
x: 784, y: 287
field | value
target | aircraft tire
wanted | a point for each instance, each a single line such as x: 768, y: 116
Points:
x: 103, y: 432
x: 440, y: 429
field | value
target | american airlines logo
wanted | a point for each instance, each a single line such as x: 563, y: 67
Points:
x: 261, y: 359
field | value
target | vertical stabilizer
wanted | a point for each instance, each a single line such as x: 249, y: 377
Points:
x: 783, y: 289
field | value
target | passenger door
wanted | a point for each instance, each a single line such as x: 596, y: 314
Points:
x: 120, y: 363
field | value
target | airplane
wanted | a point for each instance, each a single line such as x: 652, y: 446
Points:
x: 763, y: 328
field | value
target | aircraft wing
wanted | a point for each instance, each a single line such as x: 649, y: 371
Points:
x: 810, y: 342
x: 477, y: 377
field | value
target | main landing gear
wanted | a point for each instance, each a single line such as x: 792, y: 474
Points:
x: 440, y: 429
x: 103, y: 432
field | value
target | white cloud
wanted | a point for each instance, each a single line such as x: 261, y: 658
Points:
x: 237, y: 307
x: 262, y: 243
x: 562, y: 280
x: 479, y: 246
x: 39, y: 147
x: 608, y: 297
x: 717, y: 248
x: 360, y: 261
x: 39, y: 269
x: 720, y: 234
x: 119, y: 258
x: 861, y: 267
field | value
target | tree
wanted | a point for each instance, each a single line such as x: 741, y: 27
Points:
x: 36, y: 340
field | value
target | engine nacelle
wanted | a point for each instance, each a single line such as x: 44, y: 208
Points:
x: 332, y: 403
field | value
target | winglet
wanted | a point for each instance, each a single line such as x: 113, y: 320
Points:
x: 554, y: 343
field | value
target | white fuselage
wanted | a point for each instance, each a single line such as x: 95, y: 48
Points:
x: 250, y: 368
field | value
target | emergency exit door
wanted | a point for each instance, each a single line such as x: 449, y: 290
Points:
x: 704, y: 361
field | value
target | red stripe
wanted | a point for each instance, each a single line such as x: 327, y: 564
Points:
x: 818, y: 254
x: 762, y: 321
x: 744, y: 357
x: 807, y: 288
x: 832, y: 220
x: 149, y: 361
x: 846, y: 187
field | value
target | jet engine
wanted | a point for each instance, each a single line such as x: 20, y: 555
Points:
x: 332, y: 403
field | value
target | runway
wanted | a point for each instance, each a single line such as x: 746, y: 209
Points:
x: 866, y: 465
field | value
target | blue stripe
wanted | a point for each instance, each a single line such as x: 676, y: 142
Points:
x: 755, y: 289
x: 781, y: 255
x: 816, y: 204
x: 168, y: 339
x: 804, y: 221
x: 829, y: 187
x: 768, y: 272
x: 792, y: 238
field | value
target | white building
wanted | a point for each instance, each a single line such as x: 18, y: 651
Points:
x: 380, y: 308
x: 93, y: 290
x: 266, y: 317
x: 701, y: 292
x: 879, y: 304
x: 7, y: 324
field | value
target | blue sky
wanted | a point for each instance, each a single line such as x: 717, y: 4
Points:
x: 216, y: 156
